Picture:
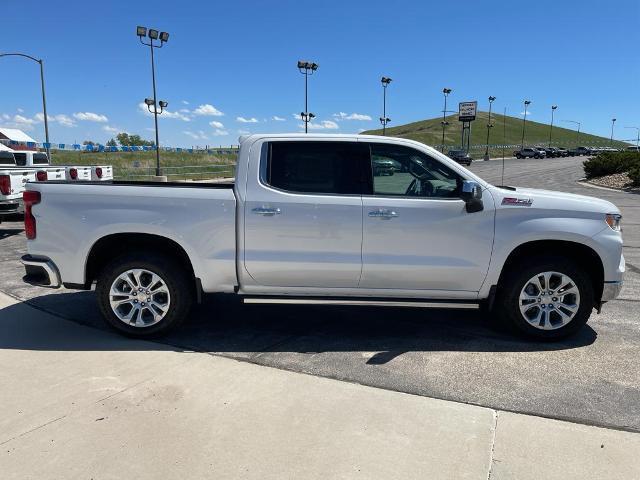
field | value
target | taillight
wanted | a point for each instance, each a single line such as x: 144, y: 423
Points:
x: 5, y: 184
x: 98, y: 172
x: 42, y: 176
x: 30, y: 198
x: 73, y: 173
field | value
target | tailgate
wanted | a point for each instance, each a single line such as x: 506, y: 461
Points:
x: 78, y: 174
x: 101, y: 173
x: 13, y: 182
x: 59, y: 173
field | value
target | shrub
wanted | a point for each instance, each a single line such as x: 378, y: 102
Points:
x: 634, y: 175
x: 607, y: 163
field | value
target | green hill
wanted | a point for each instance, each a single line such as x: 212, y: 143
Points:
x: 506, y: 130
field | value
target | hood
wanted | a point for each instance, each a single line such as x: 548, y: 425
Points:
x: 549, y: 199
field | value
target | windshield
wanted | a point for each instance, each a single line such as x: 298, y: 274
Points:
x: 40, y: 159
x: 21, y: 159
x: 7, y: 158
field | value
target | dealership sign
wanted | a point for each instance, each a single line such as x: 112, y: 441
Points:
x: 467, y: 111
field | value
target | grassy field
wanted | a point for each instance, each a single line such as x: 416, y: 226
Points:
x: 139, y: 165
x: 507, y: 130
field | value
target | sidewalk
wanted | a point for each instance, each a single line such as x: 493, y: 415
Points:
x: 84, y: 403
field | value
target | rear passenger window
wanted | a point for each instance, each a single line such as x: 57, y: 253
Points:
x: 316, y: 167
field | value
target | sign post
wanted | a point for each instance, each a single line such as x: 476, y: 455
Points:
x: 466, y: 115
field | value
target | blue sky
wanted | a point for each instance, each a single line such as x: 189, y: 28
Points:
x: 227, y: 62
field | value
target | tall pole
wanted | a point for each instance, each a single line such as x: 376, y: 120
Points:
x: 44, y: 99
x: 446, y: 92
x: 613, y: 122
x: 638, y: 137
x: 553, y: 109
x: 306, y: 68
x: 306, y: 109
x: 504, y: 140
x: 155, y: 109
x: 524, y: 121
x: 486, y: 151
x: 384, y: 109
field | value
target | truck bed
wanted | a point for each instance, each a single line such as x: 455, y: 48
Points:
x: 134, y: 183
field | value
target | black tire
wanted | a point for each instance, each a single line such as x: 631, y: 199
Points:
x: 177, y: 280
x: 513, y: 281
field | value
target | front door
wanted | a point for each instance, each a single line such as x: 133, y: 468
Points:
x: 303, y: 220
x: 417, y: 232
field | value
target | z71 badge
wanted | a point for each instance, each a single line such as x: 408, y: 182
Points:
x: 517, y: 202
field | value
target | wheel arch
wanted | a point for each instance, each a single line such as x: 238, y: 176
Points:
x: 583, y: 254
x: 110, y: 246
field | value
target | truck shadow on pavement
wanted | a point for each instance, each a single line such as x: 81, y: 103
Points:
x: 224, y: 325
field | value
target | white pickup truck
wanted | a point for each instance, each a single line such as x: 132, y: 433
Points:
x: 307, y: 221
x: 62, y: 172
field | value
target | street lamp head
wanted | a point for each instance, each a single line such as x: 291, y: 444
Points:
x: 491, y: 99
x: 313, y: 66
x: 141, y: 31
x: 613, y: 119
x: 302, y: 64
x: 527, y: 102
x: 311, y: 115
x: 164, y: 37
x: 385, y: 81
x: 153, y: 34
x: 446, y: 91
x: 163, y: 104
x: 148, y: 101
x: 553, y: 107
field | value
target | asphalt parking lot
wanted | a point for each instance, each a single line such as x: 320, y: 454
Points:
x: 593, y: 378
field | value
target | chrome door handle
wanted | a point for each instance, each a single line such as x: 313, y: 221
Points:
x: 383, y: 213
x: 266, y: 211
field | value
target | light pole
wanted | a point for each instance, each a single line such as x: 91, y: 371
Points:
x: 445, y: 92
x: 384, y: 119
x: 524, y: 121
x: 306, y: 68
x: 44, y: 99
x: 486, y: 151
x: 141, y: 32
x: 553, y: 109
x: 578, y: 134
x: 638, y: 137
x: 613, y: 122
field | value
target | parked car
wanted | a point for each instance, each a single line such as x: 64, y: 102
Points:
x: 305, y: 222
x: 383, y: 167
x: 632, y: 148
x: 578, y: 151
x: 562, y: 152
x: 460, y: 156
x: 528, y: 152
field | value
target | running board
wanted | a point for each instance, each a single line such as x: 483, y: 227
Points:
x: 359, y: 302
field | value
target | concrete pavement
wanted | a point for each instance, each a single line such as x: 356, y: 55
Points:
x: 79, y: 402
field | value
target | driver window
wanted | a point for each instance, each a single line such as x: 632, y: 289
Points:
x: 403, y: 171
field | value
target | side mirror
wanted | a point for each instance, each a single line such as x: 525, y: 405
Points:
x: 471, y: 193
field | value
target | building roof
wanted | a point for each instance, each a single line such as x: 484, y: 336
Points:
x: 15, y: 135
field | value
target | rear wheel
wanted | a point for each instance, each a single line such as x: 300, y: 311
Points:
x: 144, y: 295
x: 546, y: 297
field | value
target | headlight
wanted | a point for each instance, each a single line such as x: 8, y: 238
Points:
x: 613, y: 220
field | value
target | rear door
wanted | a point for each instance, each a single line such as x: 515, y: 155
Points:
x: 303, y: 215
x: 417, y: 234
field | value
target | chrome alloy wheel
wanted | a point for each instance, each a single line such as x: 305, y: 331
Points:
x: 139, y: 297
x: 549, y: 300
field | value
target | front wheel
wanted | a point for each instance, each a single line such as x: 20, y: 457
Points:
x: 143, y: 295
x: 546, y: 298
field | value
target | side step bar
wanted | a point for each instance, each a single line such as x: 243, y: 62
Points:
x: 360, y: 302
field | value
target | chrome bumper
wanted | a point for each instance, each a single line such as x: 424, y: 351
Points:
x: 41, y: 272
x: 611, y: 290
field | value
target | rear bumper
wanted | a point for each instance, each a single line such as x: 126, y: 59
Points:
x: 10, y: 207
x: 41, y: 272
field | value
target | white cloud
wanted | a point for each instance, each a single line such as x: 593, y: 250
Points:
x: 215, y: 124
x: 64, y: 120
x: 243, y: 132
x: 22, y: 120
x: 6, y: 117
x: 21, y: 110
x: 277, y: 118
x: 218, y: 132
x: 351, y: 116
x: 199, y: 135
x: 184, y: 110
x: 323, y: 125
x: 90, y: 117
x: 110, y: 129
x: 529, y: 112
x: 184, y: 102
x: 208, y: 110
x: 165, y: 113
x: 247, y: 120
